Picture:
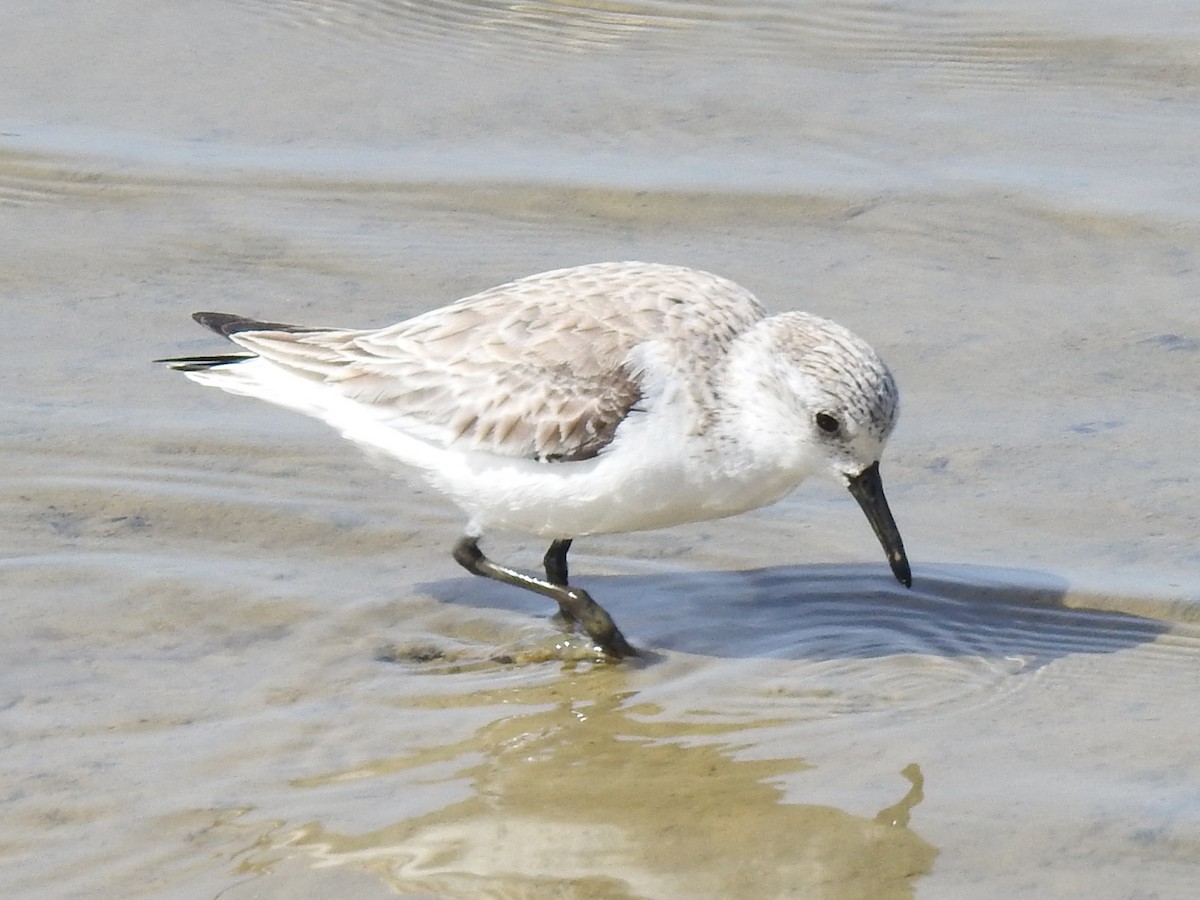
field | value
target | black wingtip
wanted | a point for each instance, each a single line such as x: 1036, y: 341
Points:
x: 227, y: 323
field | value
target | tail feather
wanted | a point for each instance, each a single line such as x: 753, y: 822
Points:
x: 227, y: 324
x: 200, y: 363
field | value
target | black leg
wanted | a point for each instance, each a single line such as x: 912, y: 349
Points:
x: 575, y: 603
x: 556, y: 562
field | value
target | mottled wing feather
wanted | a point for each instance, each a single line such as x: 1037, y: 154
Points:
x: 540, y: 368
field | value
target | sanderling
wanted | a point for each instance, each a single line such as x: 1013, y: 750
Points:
x: 602, y: 398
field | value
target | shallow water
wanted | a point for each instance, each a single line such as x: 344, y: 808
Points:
x: 239, y: 660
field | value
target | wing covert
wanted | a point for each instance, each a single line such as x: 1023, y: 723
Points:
x: 538, y: 368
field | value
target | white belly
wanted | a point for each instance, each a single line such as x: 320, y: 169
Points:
x: 657, y: 472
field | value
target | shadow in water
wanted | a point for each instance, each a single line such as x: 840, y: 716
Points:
x: 849, y: 612
x: 577, y: 791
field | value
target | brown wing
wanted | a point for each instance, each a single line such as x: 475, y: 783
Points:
x: 543, y: 367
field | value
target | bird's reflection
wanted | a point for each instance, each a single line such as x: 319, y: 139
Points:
x: 580, y: 791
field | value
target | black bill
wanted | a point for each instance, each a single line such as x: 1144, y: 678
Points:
x: 867, y: 488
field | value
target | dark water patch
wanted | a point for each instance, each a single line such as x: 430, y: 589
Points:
x: 836, y: 640
x: 826, y: 612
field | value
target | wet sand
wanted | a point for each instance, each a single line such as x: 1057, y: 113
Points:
x: 239, y: 660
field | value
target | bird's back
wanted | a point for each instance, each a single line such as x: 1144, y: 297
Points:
x: 544, y: 367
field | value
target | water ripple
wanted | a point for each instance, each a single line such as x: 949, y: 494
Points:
x: 820, y: 642
x: 953, y: 47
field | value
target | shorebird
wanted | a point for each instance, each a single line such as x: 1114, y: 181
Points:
x: 602, y: 398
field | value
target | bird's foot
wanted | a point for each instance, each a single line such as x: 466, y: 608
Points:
x: 598, y: 625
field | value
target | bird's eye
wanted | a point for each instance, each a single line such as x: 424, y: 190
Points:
x: 828, y: 423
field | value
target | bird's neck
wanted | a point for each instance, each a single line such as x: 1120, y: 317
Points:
x: 760, y: 431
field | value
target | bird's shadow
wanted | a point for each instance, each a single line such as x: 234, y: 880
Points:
x: 835, y: 612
